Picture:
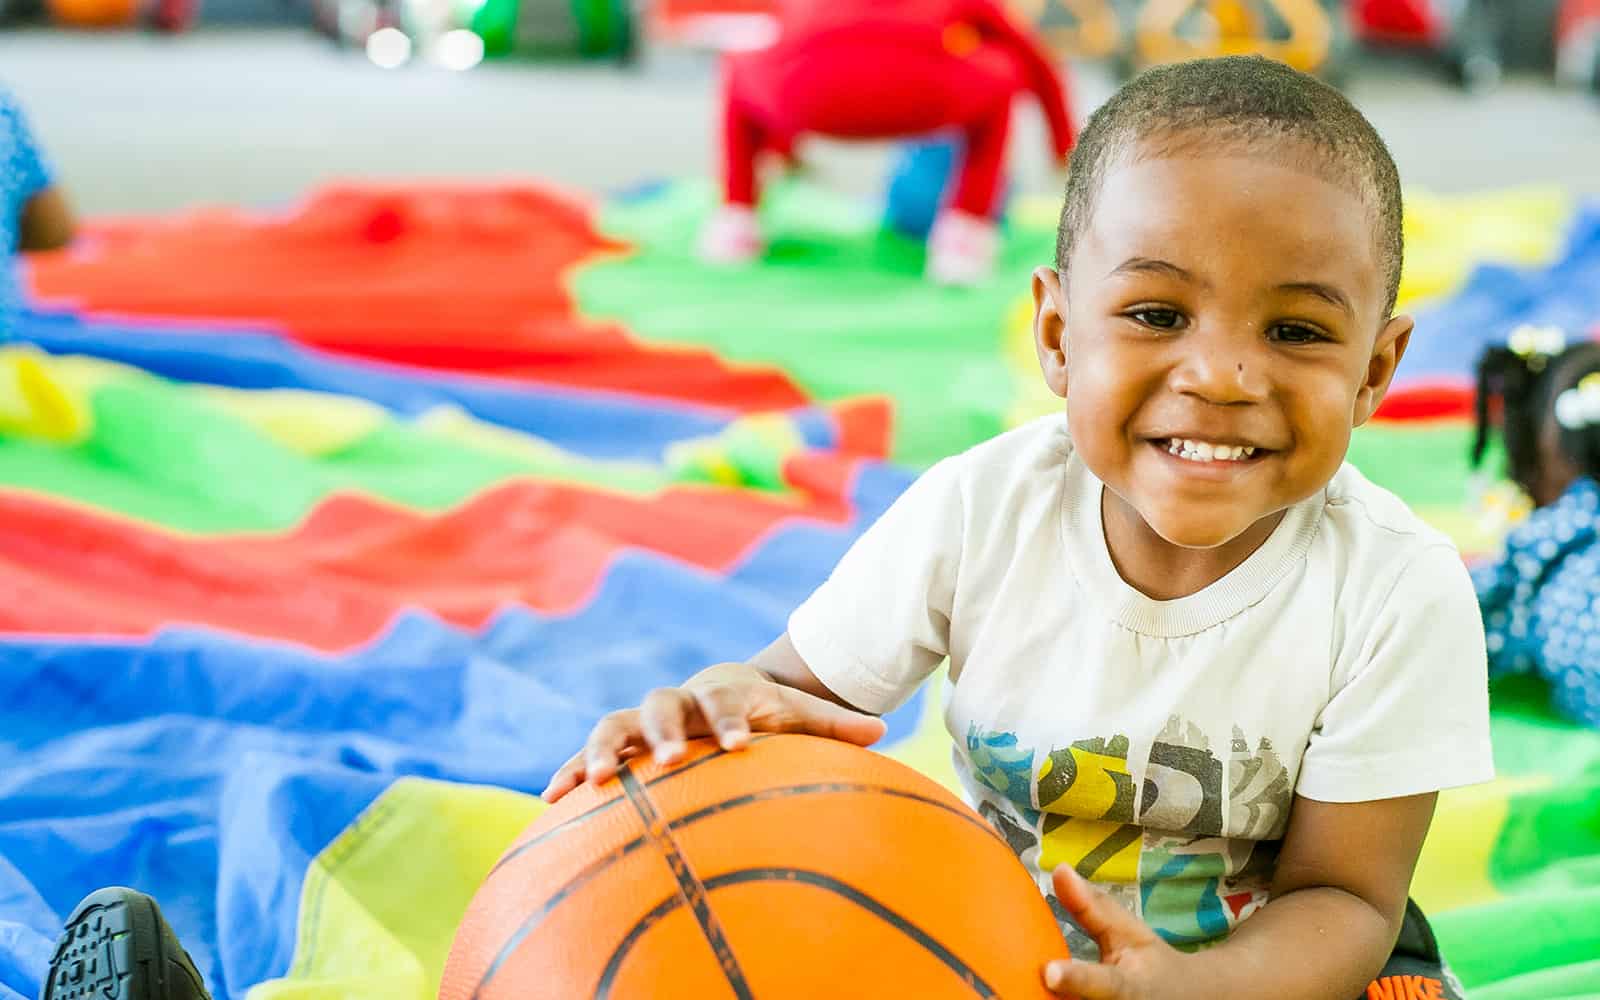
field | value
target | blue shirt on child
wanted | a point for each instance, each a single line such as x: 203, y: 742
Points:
x: 23, y: 174
x: 1541, y: 601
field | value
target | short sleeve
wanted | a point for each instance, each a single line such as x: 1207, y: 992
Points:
x: 25, y: 172
x: 881, y: 623
x: 1412, y: 712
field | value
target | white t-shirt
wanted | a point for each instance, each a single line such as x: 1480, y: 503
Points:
x: 1156, y: 745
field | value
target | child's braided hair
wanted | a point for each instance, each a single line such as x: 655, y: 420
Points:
x: 1537, y: 376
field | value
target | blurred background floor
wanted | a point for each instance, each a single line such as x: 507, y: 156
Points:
x: 148, y: 123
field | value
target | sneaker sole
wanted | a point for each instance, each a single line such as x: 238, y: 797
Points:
x: 112, y: 948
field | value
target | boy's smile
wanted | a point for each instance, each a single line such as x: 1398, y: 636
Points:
x: 1219, y: 331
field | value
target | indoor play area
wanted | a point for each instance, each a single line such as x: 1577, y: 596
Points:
x: 403, y: 385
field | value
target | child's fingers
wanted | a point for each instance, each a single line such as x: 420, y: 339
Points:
x: 569, y: 776
x: 726, y: 709
x: 611, y: 736
x: 566, y: 778
x: 1085, y: 980
x: 821, y: 717
x: 662, y: 719
x: 1097, y: 913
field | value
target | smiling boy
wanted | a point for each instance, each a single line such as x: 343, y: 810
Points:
x: 1206, y: 679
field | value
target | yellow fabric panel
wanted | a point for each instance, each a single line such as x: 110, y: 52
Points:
x: 309, y: 423
x: 375, y: 925
x: 1453, y: 870
x: 1447, y: 236
x: 928, y: 747
x: 455, y: 424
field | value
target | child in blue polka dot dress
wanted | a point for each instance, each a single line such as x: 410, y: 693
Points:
x: 34, y: 214
x: 1541, y: 596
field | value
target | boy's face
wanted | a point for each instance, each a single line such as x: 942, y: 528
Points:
x: 1220, y: 330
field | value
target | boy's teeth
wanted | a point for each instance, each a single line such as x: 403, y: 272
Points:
x: 1205, y: 451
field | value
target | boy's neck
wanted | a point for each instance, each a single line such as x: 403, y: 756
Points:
x: 1161, y: 570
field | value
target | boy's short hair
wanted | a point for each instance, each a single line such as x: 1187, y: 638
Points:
x: 1239, y: 102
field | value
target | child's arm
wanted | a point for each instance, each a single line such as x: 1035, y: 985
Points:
x: 1338, y: 900
x: 773, y: 692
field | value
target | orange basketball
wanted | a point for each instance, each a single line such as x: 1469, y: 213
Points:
x: 796, y: 868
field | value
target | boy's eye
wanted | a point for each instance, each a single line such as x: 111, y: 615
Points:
x: 1293, y: 333
x: 1161, y: 319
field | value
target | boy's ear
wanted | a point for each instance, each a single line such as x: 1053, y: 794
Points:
x: 1050, y: 328
x: 1386, y: 354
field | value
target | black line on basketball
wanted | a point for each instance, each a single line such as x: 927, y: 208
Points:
x: 533, y: 920
x: 605, y: 861
x: 689, y: 887
x: 818, y: 880
x: 582, y: 818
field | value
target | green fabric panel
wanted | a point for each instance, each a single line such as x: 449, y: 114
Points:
x: 1426, y: 463
x: 840, y: 307
x: 165, y: 454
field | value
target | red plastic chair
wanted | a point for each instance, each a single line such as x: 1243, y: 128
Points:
x: 1404, y: 22
x: 1469, y: 37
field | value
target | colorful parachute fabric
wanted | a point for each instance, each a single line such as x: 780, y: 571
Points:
x: 325, y: 535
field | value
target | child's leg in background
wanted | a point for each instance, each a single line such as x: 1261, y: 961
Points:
x: 965, y: 240
x: 732, y: 234
x: 743, y: 138
x: 978, y: 183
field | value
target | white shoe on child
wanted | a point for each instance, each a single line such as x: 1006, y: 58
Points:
x: 962, y: 249
x: 731, y: 236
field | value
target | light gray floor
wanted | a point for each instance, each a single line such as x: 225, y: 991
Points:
x: 143, y: 123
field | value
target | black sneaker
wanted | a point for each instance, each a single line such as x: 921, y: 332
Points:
x: 117, y: 946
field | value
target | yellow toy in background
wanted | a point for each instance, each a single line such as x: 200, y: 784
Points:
x: 1089, y: 29
x: 36, y: 403
x: 1302, y: 33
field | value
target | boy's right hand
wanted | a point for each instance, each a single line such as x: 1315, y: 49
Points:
x: 729, y: 702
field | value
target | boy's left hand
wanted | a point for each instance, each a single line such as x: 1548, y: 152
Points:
x: 1135, y: 964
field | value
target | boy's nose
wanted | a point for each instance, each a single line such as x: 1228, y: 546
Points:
x: 1219, y: 375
